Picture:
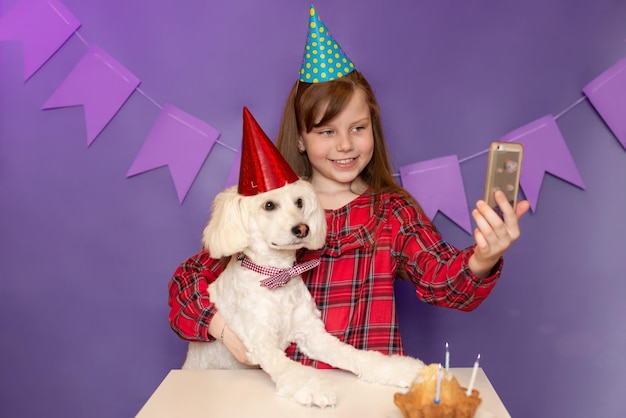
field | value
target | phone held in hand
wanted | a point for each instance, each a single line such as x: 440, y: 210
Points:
x: 503, y: 172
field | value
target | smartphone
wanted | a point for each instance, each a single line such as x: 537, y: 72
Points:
x: 503, y: 172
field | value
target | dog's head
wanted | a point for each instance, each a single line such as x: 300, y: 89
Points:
x: 287, y: 218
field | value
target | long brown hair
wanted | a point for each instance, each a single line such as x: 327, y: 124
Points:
x: 304, y: 104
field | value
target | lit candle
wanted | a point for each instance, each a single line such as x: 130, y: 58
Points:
x: 473, y: 378
x: 447, y: 358
x: 438, y: 390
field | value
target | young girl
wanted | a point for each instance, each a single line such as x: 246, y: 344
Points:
x: 331, y: 135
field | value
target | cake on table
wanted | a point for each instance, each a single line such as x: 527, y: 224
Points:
x: 419, y: 400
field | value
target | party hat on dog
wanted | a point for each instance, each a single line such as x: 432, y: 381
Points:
x: 263, y: 168
x: 323, y: 58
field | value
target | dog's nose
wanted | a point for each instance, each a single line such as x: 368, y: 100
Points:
x: 301, y: 230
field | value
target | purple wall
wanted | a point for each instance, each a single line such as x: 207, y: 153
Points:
x: 86, y: 254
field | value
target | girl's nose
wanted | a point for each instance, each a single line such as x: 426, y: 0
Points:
x: 344, y: 142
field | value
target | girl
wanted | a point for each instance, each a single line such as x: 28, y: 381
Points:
x: 331, y: 135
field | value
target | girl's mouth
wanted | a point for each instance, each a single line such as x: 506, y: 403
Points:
x: 344, y: 162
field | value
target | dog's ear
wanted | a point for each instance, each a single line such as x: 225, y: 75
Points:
x: 227, y: 231
x: 316, y: 219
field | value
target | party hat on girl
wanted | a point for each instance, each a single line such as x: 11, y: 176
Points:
x: 262, y: 168
x: 323, y: 58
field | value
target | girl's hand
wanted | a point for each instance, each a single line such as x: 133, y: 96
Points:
x: 220, y: 330
x: 494, y: 235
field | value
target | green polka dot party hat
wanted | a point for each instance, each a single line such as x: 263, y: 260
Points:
x: 323, y: 58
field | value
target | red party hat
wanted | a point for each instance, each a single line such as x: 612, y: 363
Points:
x: 263, y: 168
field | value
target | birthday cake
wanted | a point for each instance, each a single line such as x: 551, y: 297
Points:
x: 420, y: 400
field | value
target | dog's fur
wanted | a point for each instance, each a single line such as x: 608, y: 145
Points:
x: 269, y: 228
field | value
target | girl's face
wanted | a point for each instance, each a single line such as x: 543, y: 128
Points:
x: 340, y: 149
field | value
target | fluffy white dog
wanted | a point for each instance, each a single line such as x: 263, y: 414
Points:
x: 268, y: 228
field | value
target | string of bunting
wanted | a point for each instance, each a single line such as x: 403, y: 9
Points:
x: 183, y: 142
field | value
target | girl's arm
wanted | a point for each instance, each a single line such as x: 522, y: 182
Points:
x: 440, y: 272
x: 191, y: 310
x: 192, y: 315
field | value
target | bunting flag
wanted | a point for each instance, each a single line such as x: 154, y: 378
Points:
x: 100, y: 84
x: 607, y: 94
x: 545, y: 150
x: 438, y: 186
x: 179, y: 141
x: 42, y: 26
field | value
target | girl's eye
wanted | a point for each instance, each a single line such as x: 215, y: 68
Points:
x: 326, y: 132
x: 269, y: 205
x: 358, y: 128
x: 299, y: 203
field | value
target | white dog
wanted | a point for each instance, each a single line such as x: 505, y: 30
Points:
x: 268, y: 228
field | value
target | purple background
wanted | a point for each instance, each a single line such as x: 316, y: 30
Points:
x: 86, y: 254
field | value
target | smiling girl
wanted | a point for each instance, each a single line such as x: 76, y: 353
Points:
x: 331, y: 135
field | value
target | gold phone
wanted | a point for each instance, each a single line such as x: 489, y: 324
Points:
x: 503, y: 172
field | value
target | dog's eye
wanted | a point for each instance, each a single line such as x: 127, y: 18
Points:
x: 299, y: 203
x: 269, y: 205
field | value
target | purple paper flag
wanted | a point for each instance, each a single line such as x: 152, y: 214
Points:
x: 438, y: 186
x: 179, y: 141
x: 43, y: 26
x: 100, y: 84
x: 545, y: 150
x: 607, y: 94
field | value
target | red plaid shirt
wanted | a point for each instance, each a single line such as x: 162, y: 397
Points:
x: 368, y: 241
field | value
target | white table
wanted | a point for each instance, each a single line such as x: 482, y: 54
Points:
x: 251, y: 393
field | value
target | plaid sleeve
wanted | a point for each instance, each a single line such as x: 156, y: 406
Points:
x: 439, y: 271
x: 191, y: 309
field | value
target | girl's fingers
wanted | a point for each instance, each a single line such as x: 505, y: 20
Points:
x: 489, y: 222
x: 521, y: 208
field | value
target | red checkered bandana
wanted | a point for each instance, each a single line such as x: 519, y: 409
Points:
x: 276, y: 277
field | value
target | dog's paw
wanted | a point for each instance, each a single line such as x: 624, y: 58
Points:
x: 316, y: 393
x: 392, y: 370
x: 307, y: 387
